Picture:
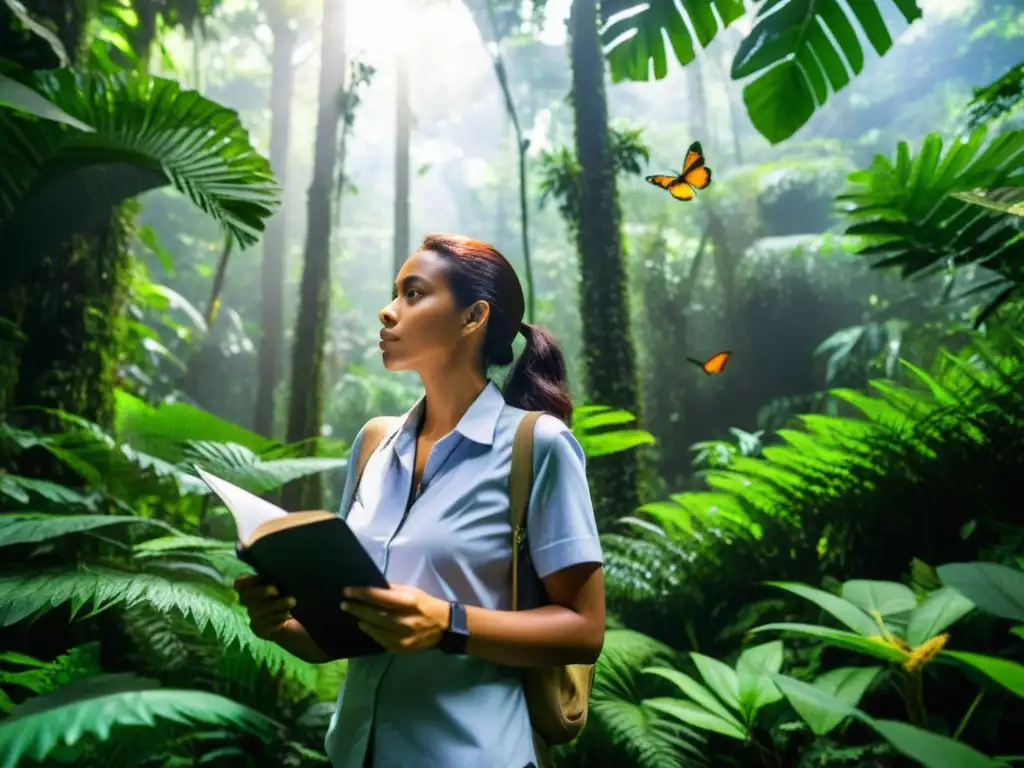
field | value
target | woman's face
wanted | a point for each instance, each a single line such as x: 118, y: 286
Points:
x: 422, y: 324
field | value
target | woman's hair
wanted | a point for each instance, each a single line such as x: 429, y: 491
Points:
x: 477, y: 272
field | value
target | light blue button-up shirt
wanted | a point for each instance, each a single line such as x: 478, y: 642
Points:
x: 430, y: 709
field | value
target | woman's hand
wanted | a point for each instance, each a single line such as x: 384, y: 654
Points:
x: 403, y: 619
x: 269, y: 613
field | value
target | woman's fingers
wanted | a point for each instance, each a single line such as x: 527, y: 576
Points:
x: 271, y: 607
x: 258, y: 594
x: 268, y: 624
x: 247, y: 581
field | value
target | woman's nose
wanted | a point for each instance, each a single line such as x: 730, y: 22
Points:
x: 386, y: 316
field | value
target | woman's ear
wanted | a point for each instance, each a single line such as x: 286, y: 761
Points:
x: 475, y: 317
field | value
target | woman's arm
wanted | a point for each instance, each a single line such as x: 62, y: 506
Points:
x: 570, y: 630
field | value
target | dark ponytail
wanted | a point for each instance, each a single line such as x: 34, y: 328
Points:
x: 476, y: 271
x: 538, y: 381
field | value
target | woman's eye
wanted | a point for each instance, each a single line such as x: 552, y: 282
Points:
x: 410, y: 292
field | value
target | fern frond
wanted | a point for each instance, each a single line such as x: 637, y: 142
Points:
x: 621, y: 723
x: 100, y: 704
x: 25, y: 594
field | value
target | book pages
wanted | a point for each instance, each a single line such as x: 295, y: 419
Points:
x: 249, y: 510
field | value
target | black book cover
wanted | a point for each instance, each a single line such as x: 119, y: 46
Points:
x: 314, y: 563
x: 310, y: 556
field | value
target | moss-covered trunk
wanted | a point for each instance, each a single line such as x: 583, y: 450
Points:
x: 305, y: 410
x: 609, y: 356
x: 66, y: 312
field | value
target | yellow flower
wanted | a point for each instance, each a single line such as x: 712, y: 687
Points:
x: 925, y: 652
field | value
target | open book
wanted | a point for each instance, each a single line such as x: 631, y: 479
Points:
x: 311, y: 556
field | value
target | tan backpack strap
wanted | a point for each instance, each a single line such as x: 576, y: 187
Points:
x: 520, y: 483
x: 374, y: 432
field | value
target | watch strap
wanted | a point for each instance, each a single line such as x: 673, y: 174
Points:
x: 456, y: 635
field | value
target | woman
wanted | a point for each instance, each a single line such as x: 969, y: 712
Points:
x: 432, y: 509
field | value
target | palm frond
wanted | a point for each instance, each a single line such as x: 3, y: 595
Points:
x: 149, y: 133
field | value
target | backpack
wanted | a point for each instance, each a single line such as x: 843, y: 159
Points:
x: 556, y: 697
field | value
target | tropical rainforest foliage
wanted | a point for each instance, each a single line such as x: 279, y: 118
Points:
x: 813, y: 559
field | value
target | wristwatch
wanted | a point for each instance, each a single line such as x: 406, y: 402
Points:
x: 456, y: 634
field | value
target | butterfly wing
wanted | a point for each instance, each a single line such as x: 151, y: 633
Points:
x: 699, y: 177
x: 694, y: 157
x: 680, y: 190
x: 661, y: 180
x: 716, y: 363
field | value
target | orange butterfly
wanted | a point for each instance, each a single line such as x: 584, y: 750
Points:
x: 695, y: 176
x: 715, y: 363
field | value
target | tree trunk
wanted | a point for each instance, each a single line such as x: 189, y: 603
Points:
x: 271, y: 341
x: 66, y: 311
x: 306, y: 406
x: 609, y: 356
x: 403, y: 126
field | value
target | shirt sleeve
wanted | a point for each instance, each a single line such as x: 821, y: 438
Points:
x: 561, y: 529
x: 350, y: 474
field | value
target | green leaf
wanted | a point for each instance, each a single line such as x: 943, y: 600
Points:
x: 839, y: 638
x: 993, y: 588
x: 799, y: 51
x: 28, y: 22
x: 929, y: 749
x: 634, y: 37
x: 1008, y: 674
x: 845, y: 611
x: 1018, y: 631
x: 695, y: 691
x: 756, y: 690
x: 620, y: 440
x: 99, y: 705
x: 719, y: 677
x: 940, y: 609
x: 697, y: 716
x: 20, y: 97
x: 847, y: 684
x: 906, y: 213
x: 882, y: 597
x: 27, y: 528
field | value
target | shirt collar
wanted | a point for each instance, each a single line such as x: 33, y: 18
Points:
x: 478, y: 423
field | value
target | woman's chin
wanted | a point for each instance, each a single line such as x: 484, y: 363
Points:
x: 392, y: 362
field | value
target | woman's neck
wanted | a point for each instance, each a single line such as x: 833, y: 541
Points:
x: 448, y: 396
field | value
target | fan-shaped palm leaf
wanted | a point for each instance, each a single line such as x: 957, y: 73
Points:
x: 148, y: 133
x: 804, y: 50
x: 100, y: 704
x: 909, y: 212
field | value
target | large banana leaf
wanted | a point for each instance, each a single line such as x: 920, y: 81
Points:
x: 149, y: 133
x: 647, y: 25
x: 798, y: 63
x: 799, y: 50
x: 909, y: 211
